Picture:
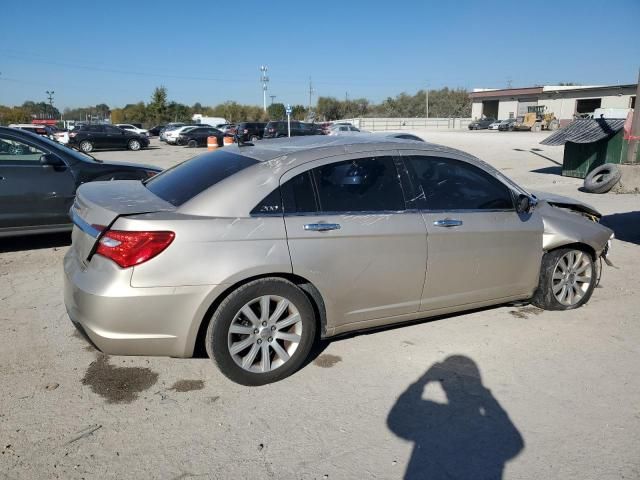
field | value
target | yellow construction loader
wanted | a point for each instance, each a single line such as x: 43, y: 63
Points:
x: 536, y: 119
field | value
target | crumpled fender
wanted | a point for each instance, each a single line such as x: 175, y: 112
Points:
x: 562, y: 227
x: 562, y: 201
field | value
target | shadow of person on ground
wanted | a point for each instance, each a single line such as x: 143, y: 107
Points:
x: 469, y: 437
x: 626, y: 226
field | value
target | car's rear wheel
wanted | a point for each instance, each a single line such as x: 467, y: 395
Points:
x: 134, y: 144
x: 262, y: 332
x: 567, y: 279
x: 192, y: 144
x: 86, y: 146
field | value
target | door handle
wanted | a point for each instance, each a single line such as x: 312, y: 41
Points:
x: 321, y: 227
x: 447, y: 223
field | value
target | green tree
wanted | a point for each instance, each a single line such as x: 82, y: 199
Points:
x: 329, y: 108
x: 276, y: 111
x: 157, y: 108
x: 298, y: 112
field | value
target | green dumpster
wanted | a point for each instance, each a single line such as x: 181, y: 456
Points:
x: 589, y: 143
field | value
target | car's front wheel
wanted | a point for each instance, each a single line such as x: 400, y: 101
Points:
x: 262, y: 332
x: 134, y: 144
x: 86, y: 146
x: 567, y: 279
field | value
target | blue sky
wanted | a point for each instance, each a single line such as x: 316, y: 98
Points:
x: 116, y: 52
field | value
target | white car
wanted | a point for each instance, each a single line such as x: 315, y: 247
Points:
x: 133, y: 128
x: 172, y: 135
x: 61, y: 137
x: 342, y: 129
x: 495, y: 125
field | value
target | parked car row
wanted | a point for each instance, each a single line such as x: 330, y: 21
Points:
x: 39, y: 177
x: 493, y: 124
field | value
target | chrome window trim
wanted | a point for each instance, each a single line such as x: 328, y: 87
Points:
x: 469, y: 210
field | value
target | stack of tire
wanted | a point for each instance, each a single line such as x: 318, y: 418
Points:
x: 602, y: 179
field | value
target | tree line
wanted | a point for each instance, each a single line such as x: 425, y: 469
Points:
x: 443, y: 102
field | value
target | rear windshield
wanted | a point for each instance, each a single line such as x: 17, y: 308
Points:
x: 181, y: 183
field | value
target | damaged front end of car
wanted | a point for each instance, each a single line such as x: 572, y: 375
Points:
x: 570, y: 222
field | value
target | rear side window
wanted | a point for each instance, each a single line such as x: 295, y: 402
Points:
x: 447, y: 184
x: 298, y: 195
x: 362, y: 185
x: 181, y: 183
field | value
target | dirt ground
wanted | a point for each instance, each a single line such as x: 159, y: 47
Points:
x: 511, y: 391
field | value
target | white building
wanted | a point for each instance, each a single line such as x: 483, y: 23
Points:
x: 564, y: 101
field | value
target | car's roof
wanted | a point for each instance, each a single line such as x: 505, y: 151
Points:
x: 318, y: 146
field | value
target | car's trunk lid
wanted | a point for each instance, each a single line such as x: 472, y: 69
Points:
x: 98, y: 204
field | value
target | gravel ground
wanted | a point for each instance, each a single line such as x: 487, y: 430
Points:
x: 531, y: 394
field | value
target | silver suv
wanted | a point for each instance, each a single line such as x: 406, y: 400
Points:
x: 256, y: 251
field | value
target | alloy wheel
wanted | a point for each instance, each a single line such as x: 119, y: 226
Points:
x: 264, y: 333
x: 572, y: 277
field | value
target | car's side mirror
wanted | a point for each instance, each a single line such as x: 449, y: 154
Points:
x: 525, y: 203
x: 49, y: 160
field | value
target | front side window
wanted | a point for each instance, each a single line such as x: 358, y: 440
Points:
x: 12, y: 150
x: 361, y: 185
x: 112, y: 130
x: 447, y: 184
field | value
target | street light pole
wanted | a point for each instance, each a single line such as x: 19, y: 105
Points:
x: 264, y: 79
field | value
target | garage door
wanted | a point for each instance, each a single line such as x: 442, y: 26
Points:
x: 525, y: 103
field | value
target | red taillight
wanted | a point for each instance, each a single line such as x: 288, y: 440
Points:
x: 133, y: 248
x: 245, y: 131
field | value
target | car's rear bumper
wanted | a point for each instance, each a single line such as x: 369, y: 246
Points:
x: 122, y: 320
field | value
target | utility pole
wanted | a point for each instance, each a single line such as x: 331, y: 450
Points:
x: 426, y: 95
x: 264, y: 79
x: 634, y: 141
x: 346, y: 96
x: 311, y: 92
x: 50, y: 95
x: 272, y: 97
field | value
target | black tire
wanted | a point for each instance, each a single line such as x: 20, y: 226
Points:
x: 254, y: 138
x: 216, y: 341
x: 86, y: 146
x: 192, y: 143
x: 602, y: 179
x: 544, y: 297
